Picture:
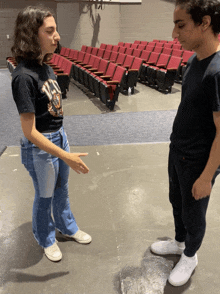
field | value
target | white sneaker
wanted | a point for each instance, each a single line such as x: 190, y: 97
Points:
x: 53, y: 252
x: 168, y: 247
x: 81, y: 237
x: 183, y: 270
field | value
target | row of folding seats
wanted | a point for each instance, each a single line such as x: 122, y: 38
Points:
x: 132, y: 64
x: 103, y: 78
x: 165, y: 50
x: 160, y: 71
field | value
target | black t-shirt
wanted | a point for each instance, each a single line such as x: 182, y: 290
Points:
x: 194, y: 129
x: 36, y: 90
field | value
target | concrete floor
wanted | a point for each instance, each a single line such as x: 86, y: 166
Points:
x: 122, y: 202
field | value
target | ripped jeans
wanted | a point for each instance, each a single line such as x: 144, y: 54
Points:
x: 50, y: 178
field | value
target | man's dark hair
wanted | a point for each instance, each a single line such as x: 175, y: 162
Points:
x: 26, y: 42
x: 199, y: 8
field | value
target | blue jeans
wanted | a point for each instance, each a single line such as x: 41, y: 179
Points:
x: 50, y: 178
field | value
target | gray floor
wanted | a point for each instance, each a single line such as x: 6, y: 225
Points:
x: 122, y: 202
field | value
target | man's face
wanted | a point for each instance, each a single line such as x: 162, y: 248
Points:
x: 48, y: 36
x: 188, y: 33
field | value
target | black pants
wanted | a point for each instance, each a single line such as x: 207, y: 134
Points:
x: 189, y: 214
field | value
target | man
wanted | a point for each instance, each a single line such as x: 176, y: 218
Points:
x: 194, y: 155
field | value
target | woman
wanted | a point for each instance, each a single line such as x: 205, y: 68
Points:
x: 44, y: 148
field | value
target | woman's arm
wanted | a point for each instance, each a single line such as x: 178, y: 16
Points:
x: 32, y: 134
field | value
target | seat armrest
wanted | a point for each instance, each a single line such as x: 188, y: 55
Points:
x: 112, y: 82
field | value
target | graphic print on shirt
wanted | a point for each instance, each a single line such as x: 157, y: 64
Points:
x: 53, y: 92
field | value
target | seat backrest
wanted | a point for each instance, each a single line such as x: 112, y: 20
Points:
x: 168, y: 45
x: 141, y: 47
x: 153, y: 58
x: 80, y: 56
x: 134, y: 46
x: 109, y: 47
x: 107, y: 54
x: 68, y: 67
x: 118, y: 74
x: 86, y: 58
x: 113, y: 56
x: 152, y: 43
x: 56, y: 59
x: 167, y: 51
x: 163, y: 60
x: 137, y: 63
x: 177, y: 46
x: 75, y: 54
x: 71, y: 53
x: 89, y: 49
x: 137, y: 42
x: 122, y: 49
x: 63, y: 50
x: 186, y: 55
x: 127, y: 45
x: 111, y: 69
x: 158, y: 49
x: 121, y: 43
x: 163, y: 41
x: 94, y: 51
x: 145, y: 55
x: 144, y: 43
x: 91, y: 60
x: 121, y: 57
x: 129, y: 51
x: 103, y: 46
x: 177, y: 52
x: 103, y: 65
x: 158, y: 44
x: 115, y: 48
x: 67, y: 52
x: 96, y: 62
x: 174, y: 62
x: 149, y: 48
x: 137, y: 53
x: 83, y: 48
x: 100, y: 52
x: 60, y: 62
x: 128, y: 61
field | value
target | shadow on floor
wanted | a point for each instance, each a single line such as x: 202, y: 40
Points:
x: 20, y: 251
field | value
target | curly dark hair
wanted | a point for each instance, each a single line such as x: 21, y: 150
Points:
x: 199, y: 8
x: 26, y: 42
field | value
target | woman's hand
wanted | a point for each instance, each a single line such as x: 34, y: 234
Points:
x: 75, y: 162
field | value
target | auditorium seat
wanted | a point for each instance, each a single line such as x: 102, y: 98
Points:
x: 109, y: 90
x: 103, y: 46
x: 165, y: 77
x: 94, y: 50
x: 83, y: 48
x: 122, y: 49
x: 177, y: 52
x: 107, y: 75
x: 121, y: 44
x: 137, y: 53
x: 152, y: 70
x: 113, y: 56
x: 167, y: 51
x: 132, y: 75
x: 102, y: 67
x: 120, y: 59
x: 141, y: 47
x: 115, y: 48
x: 107, y: 54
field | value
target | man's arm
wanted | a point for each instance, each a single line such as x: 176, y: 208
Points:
x: 32, y: 134
x: 202, y: 187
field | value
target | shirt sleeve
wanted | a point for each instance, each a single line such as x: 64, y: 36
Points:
x: 24, y: 93
x: 216, y: 93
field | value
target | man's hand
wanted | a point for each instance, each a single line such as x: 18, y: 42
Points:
x: 201, y: 189
x: 75, y: 162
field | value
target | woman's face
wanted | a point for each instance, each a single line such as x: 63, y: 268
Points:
x: 48, y: 36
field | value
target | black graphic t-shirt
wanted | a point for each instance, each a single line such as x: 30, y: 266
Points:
x: 194, y: 129
x: 36, y: 90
